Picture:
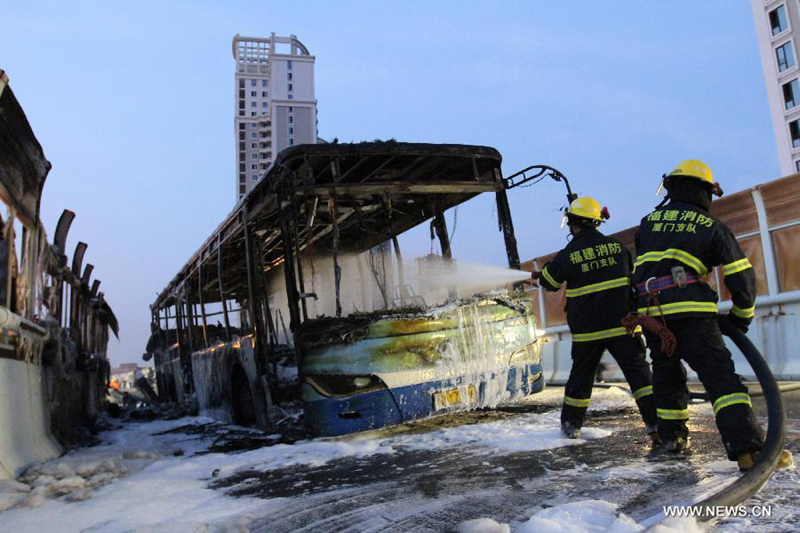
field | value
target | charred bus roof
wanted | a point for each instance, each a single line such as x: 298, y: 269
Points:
x: 24, y: 167
x: 359, y: 195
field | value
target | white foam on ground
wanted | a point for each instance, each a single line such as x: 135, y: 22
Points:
x: 137, y: 480
x: 308, y: 453
x: 143, y: 486
x: 679, y: 525
x: 586, y: 516
x: 782, y: 503
x: 634, y: 470
x: 482, y: 525
x: 528, y: 432
x: 92, y: 488
x: 603, y: 399
x: 12, y: 493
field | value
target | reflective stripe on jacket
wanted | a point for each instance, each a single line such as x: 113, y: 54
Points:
x: 683, y: 234
x: 596, y: 270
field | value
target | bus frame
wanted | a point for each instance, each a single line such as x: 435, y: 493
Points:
x: 339, y: 200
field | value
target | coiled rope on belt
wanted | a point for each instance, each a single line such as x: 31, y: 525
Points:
x: 648, y: 323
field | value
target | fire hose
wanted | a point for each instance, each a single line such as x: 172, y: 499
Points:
x: 754, y: 478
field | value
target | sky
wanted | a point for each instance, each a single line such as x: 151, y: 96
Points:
x: 133, y: 103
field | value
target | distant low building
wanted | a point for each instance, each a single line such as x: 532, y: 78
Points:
x: 124, y: 376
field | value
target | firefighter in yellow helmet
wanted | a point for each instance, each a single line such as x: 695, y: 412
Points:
x: 596, y: 271
x: 677, y: 245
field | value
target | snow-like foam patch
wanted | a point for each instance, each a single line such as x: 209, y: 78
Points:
x: 159, y: 485
x: 522, y: 433
x: 482, y: 525
x: 143, y: 479
x: 678, y: 525
x: 635, y: 470
x: 12, y: 493
x: 313, y: 453
x: 603, y: 399
x: 586, y: 516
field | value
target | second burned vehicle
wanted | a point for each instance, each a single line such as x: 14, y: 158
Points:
x: 307, y: 271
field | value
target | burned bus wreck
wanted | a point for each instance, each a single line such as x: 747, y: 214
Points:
x: 305, y: 278
x: 54, y: 321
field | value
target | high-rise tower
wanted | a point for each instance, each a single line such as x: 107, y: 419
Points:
x: 275, y: 103
x: 776, y: 24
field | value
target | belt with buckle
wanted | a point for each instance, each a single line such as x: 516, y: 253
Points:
x: 663, y: 283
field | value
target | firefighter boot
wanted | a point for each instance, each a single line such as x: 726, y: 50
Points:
x: 652, y: 432
x: 677, y: 445
x: 655, y: 440
x: 746, y: 460
x: 570, y: 430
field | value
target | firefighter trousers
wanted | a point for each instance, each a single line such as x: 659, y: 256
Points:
x: 629, y: 354
x: 700, y: 344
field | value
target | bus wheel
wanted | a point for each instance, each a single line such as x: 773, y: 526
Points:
x: 244, y: 409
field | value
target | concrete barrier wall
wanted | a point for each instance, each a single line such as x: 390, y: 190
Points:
x: 26, y: 436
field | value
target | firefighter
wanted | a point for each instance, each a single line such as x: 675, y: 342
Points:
x: 677, y: 245
x: 596, y: 270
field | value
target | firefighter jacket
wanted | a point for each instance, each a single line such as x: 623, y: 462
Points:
x: 597, y: 271
x: 686, y: 235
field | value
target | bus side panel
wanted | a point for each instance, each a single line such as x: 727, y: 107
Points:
x: 388, y: 407
x: 226, y: 379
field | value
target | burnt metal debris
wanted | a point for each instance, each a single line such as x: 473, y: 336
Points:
x: 317, y: 201
x: 51, y: 315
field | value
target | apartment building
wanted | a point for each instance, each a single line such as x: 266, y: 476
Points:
x: 777, y: 24
x: 275, y: 103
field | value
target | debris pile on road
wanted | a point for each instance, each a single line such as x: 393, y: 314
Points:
x: 130, y: 407
x: 64, y: 478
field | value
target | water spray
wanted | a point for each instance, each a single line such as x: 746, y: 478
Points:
x: 466, y: 277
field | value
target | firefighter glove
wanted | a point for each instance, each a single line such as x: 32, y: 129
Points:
x: 741, y: 323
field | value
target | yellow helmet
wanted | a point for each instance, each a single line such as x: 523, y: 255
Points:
x: 693, y: 168
x: 585, y: 207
